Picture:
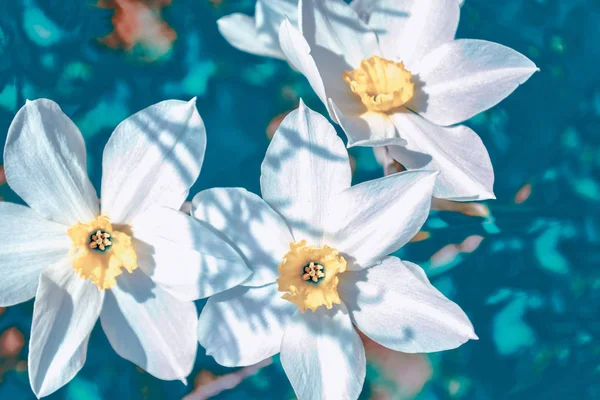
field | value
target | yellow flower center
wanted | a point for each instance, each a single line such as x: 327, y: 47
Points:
x: 99, y: 253
x: 308, y: 276
x: 381, y: 84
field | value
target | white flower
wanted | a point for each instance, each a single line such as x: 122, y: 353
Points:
x: 319, y: 251
x: 403, y: 82
x: 259, y: 34
x: 136, y: 265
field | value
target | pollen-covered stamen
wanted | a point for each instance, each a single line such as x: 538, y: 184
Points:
x: 100, y: 240
x: 313, y: 272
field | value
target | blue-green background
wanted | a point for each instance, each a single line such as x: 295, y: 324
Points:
x: 532, y: 288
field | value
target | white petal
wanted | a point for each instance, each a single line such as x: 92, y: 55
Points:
x: 323, y: 355
x: 387, y: 18
x: 430, y: 24
x: 326, y: 77
x: 149, y: 327
x: 332, y: 27
x: 44, y: 162
x: 298, y: 52
x: 152, y: 158
x: 251, y: 226
x: 368, y: 129
x: 305, y: 166
x: 29, y: 244
x: 240, y: 31
x: 465, y: 77
x: 466, y: 171
x: 375, y: 218
x: 394, y: 304
x: 65, y: 311
x: 244, y: 325
x: 186, y: 257
x: 269, y: 14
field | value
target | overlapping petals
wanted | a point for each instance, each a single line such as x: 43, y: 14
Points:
x: 258, y: 34
x: 466, y: 171
x: 430, y: 23
x: 251, y: 226
x: 244, y: 326
x: 185, y: 256
x: 454, y: 80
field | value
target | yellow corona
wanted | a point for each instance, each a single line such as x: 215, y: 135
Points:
x: 381, y: 84
x: 308, y: 276
x: 100, y: 253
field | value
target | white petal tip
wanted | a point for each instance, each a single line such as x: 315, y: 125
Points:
x: 193, y: 101
x: 184, y: 381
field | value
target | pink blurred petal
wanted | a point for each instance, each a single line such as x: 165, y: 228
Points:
x: 523, y: 194
x: 209, y: 386
x: 409, y: 371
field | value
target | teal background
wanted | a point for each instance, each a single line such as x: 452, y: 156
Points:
x: 532, y: 285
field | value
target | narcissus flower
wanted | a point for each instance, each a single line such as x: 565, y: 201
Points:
x: 135, y: 262
x: 319, y: 251
x: 403, y: 82
x: 259, y: 34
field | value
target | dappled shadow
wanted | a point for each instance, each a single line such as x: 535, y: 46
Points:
x: 124, y: 330
x: 59, y: 328
x: 535, y: 136
x: 419, y: 101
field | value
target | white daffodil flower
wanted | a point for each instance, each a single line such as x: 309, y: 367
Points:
x: 260, y: 34
x: 403, y: 82
x: 136, y: 263
x: 319, y: 251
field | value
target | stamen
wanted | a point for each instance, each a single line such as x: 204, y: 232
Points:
x: 313, y: 272
x: 100, y: 240
x: 312, y: 287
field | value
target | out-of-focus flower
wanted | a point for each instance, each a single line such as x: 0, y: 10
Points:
x: 138, y: 23
x: 523, y: 194
x: 402, y: 82
x: 136, y: 263
x: 11, y: 343
x: 446, y: 257
x: 324, y: 245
